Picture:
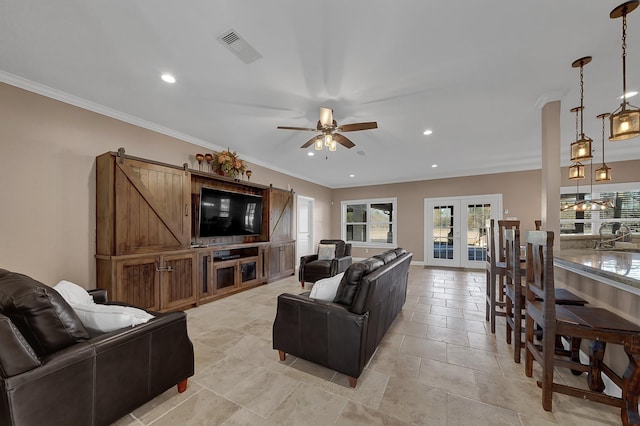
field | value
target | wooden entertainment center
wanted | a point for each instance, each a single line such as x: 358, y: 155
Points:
x: 147, y: 250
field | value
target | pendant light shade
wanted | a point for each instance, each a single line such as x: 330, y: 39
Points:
x: 624, y: 121
x: 603, y: 174
x: 581, y: 148
x: 576, y: 171
x: 318, y: 144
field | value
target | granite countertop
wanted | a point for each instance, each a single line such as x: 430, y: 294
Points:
x: 619, y: 268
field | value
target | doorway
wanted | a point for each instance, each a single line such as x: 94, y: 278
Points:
x: 304, y: 238
x: 455, y: 230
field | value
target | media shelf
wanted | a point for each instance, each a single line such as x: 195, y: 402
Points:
x: 237, y: 253
x: 229, y: 269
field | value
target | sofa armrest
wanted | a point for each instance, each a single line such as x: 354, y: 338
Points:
x: 99, y: 295
x: 304, y: 260
x: 343, y: 263
x: 325, y: 333
x: 16, y: 355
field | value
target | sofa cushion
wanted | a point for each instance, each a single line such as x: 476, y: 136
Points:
x: 73, y: 293
x: 326, y: 288
x: 326, y: 251
x: 340, y: 247
x: 43, y: 317
x: 16, y: 355
x: 351, y: 280
x: 106, y: 318
x: 399, y: 251
x: 100, y: 317
x: 386, y: 256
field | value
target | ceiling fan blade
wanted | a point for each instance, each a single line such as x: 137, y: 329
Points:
x: 326, y: 117
x: 342, y: 140
x: 358, y: 126
x: 297, y: 128
x: 310, y: 142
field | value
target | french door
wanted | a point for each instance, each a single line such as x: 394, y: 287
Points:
x: 455, y: 230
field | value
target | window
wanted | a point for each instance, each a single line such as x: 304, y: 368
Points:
x: 626, y: 198
x: 369, y: 222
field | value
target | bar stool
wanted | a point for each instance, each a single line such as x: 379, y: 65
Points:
x: 515, y: 301
x: 496, y: 267
x: 583, y: 322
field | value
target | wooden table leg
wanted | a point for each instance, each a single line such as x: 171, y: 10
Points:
x: 596, y: 355
x: 631, y: 382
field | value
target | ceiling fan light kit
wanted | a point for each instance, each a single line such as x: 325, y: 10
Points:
x: 328, y: 128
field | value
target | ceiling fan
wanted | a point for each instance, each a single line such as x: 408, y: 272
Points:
x: 328, y: 129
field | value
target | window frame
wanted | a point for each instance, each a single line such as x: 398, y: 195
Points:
x: 369, y: 201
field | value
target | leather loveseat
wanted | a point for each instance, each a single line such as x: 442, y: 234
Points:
x: 55, y: 371
x: 343, y: 335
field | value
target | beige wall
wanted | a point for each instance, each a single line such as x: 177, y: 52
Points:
x: 521, y: 196
x: 47, y: 190
x: 47, y: 175
x: 621, y: 171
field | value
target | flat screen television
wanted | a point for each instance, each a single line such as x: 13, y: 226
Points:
x: 225, y: 213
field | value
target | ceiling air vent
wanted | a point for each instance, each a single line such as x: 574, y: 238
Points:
x: 239, y: 46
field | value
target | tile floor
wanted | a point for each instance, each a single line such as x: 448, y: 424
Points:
x: 437, y: 365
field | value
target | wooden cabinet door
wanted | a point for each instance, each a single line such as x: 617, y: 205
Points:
x: 178, y: 281
x: 152, y: 207
x: 281, y: 260
x: 138, y: 282
x: 280, y: 215
x: 205, y: 285
x: 248, y: 271
x: 225, y: 276
x: 287, y: 259
x: 273, y: 259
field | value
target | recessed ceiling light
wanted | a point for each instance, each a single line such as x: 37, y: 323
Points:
x: 310, y: 154
x: 629, y: 95
x: 352, y: 175
x: 427, y: 132
x: 434, y: 165
x: 168, y: 78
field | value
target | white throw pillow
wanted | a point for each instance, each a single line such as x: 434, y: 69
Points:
x: 326, y: 288
x: 73, y: 293
x: 97, y: 316
x: 326, y: 251
x: 110, y: 317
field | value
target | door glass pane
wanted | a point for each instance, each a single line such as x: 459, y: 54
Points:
x: 357, y: 233
x: 477, y: 215
x: 443, y: 232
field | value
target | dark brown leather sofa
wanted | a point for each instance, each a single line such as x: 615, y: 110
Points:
x: 54, y: 371
x: 343, y: 335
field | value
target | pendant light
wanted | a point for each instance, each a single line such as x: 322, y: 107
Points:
x: 603, y: 174
x: 581, y: 148
x: 624, y: 121
x: 576, y: 170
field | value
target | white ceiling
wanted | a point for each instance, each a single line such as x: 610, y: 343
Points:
x: 476, y: 72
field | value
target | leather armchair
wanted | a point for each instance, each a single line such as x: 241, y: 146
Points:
x: 312, y: 269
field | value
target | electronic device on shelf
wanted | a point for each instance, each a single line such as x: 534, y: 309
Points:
x: 226, y: 213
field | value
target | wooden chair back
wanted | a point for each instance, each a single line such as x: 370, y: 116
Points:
x: 502, y: 225
x: 538, y: 224
x: 491, y: 243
